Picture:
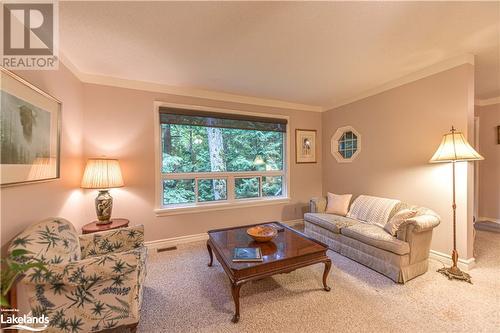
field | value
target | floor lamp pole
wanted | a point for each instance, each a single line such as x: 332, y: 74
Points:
x: 454, y: 253
x: 454, y: 272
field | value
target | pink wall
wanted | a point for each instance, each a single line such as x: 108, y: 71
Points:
x: 489, y: 169
x: 119, y: 123
x: 24, y: 204
x: 401, y: 129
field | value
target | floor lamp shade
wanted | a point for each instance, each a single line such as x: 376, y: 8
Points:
x: 102, y: 174
x: 454, y: 148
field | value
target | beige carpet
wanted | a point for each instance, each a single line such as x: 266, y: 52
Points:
x: 182, y: 294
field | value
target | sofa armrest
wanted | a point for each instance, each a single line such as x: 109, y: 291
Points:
x: 111, y: 241
x: 317, y: 205
x: 87, y: 271
x: 423, y: 223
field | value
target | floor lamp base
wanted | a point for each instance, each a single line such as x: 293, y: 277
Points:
x: 455, y: 273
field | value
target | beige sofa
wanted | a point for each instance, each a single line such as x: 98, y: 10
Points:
x: 400, y: 258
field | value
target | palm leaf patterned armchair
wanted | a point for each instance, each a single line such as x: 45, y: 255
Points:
x: 93, y: 282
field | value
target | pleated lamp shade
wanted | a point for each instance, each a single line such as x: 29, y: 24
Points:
x: 454, y: 147
x: 102, y: 173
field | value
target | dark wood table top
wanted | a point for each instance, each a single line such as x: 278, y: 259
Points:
x: 288, y: 244
x: 115, y: 224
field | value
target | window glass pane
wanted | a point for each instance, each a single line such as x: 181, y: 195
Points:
x: 348, y: 144
x: 185, y: 149
x: 177, y: 191
x: 272, y: 186
x: 189, y: 148
x: 348, y: 154
x: 348, y: 135
x: 212, y: 189
x: 246, y: 187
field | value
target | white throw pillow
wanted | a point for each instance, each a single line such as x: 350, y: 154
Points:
x: 338, y: 203
x: 398, y: 220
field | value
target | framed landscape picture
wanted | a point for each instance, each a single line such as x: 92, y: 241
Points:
x: 30, y: 123
x: 305, y: 146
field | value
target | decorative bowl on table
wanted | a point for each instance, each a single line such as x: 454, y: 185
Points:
x: 262, y: 233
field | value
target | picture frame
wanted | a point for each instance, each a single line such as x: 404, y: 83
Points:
x: 30, y: 122
x: 305, y: 146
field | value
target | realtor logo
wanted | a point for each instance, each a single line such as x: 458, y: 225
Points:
x: 29, y: 35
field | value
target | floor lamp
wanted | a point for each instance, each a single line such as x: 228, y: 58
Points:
x: 455, y: 148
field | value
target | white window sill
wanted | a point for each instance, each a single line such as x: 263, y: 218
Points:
x: 190, y: 209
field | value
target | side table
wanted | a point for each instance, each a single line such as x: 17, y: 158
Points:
x: 115, y: 224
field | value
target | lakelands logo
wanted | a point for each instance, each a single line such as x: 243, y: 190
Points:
x: 30, y: 38
x: 25, y: 322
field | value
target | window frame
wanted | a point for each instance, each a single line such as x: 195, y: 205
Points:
x: 231, y: 201
x: 337, y: 138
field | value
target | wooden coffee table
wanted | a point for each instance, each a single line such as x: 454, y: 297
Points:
x: 285, y: 253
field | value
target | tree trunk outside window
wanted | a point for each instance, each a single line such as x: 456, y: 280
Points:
x: 217, y: 163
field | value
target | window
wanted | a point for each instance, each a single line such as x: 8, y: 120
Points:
x: 210, y: 158
x: 348, y: 144
x: 345, y: 144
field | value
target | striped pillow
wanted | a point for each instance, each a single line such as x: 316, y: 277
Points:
x: 373, y: 210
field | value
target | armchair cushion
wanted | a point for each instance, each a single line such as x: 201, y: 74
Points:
x: 90, y: 270
x: 119, y: 240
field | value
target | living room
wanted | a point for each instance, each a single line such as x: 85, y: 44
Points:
x: 166, y: 129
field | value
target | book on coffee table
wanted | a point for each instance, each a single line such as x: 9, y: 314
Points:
x: 247, y: 254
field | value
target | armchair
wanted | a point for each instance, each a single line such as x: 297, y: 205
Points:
x: 92, y: 283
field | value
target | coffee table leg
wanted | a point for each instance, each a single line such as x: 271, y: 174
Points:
x: 328, y: 265
x: 235, y: 290
x: 210, y: 254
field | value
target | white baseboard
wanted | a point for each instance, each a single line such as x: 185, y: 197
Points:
x: 463, y: 264
x: 491, y: 219
x: 174, y: 241
x: 293, y: 222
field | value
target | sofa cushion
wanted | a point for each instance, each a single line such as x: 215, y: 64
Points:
x: 338, y: 204
x: 372, y: 209
x: 330, y: 222
x: 376, y: 236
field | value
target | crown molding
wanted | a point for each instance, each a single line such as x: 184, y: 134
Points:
x: 488, y: 101
x: 183, y: 91
x: 259, y: 101
x: 415, y: 76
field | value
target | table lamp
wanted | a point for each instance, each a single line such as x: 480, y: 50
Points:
x: 455, y: 148
x: 102, y: 174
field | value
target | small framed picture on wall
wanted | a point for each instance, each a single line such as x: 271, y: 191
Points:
x: 305, y: 146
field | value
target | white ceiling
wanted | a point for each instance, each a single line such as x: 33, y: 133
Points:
x: 311, y: 53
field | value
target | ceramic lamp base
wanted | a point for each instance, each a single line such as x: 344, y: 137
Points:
x: 103, y: 207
